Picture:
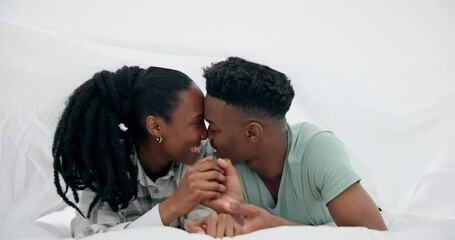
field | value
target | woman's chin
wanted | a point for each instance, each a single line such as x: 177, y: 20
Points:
x: 190, y: 160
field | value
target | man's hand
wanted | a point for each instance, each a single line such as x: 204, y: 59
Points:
x: 202, y: 181
x: 215, y: 225
x: 233, y: 189
x: 255, y: 218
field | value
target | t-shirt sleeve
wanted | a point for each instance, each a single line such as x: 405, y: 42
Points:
x: 328, y: 167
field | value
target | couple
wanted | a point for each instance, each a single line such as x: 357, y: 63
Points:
x: 128, y: 144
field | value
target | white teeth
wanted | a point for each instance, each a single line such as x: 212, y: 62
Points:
x: 196, y: 149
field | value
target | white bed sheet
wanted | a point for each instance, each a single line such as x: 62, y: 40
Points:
x: 403, y: 226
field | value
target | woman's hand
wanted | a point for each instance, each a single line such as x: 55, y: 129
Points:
x: 203, y: 180
x: 233, y: 189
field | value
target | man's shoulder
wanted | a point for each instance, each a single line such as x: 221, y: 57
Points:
x: 305, y: 127
x: 305, y: 131
x: 304, y: 137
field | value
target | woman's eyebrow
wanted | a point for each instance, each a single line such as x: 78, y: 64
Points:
x: 199, y: 116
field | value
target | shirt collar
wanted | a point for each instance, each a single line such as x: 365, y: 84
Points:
x: 144, y: 180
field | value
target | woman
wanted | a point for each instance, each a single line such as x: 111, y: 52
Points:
x: 120, y: 146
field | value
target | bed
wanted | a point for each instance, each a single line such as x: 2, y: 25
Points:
x: 380, y: 75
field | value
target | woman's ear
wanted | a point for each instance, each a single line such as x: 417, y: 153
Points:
x: 254, y: 131
x: 152, y: 124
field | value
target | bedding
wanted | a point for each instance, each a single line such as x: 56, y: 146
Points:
x: 377, y: 74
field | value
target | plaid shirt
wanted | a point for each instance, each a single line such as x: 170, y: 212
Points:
x: 141, y: 212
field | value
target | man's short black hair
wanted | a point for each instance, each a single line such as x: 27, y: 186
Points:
x: 250, y: 87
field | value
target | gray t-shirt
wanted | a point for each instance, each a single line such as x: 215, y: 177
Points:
x: 316, y: 170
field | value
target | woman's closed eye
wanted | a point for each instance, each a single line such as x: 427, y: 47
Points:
x: 199, y: 122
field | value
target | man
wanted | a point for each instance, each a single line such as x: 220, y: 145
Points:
x: 293, y: 174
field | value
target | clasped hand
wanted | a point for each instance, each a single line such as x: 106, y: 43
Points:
x: 233, y: 217
x: 204, y: 182
x: 238, y: 219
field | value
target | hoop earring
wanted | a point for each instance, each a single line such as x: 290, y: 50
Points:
x: 159, y: 139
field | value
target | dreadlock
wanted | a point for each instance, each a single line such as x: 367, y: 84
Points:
x: 91, y: 150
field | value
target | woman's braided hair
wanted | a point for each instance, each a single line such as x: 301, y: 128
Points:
x: 90, y: 148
